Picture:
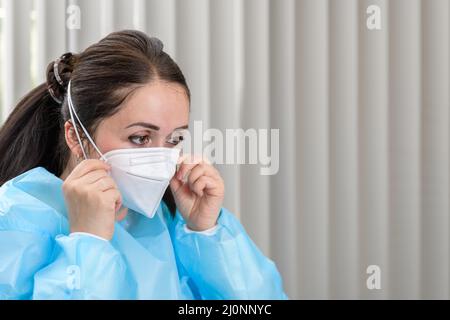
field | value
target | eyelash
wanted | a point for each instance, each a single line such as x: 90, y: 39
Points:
x: 180, y: 138
x: 132, y: 138
x: 139, y: 137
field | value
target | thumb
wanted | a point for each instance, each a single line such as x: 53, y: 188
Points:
x: 121, y: 214
x: 175, y: 184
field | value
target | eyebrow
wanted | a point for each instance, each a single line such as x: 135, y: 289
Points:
x: 151, y: 126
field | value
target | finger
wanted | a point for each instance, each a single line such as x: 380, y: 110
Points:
x: 203, y: 169
x: 114, y: 196
x: 86, y: 166
x: 187, y: 164
x: 104, y: 184
x: 121, y: 214
x: 182, y: 158
x: 203, y: 183
x: 195, y: 174
x: 93, y: 176
x: 175, y: 184
x: 195, y: 158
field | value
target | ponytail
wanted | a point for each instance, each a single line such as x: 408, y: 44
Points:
x: 29, y: 137
x: 33, y: 135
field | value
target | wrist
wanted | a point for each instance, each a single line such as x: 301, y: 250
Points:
x: 91, y: 231
x: 208, y: 232
x: 74, y: 234
x: 201, y: 227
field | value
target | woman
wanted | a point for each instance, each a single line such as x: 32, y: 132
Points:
x: 85, y: 161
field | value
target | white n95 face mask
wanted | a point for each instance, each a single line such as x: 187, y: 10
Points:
x: 141, y: 174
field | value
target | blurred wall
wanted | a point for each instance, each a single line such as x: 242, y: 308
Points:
x: 363, y: 117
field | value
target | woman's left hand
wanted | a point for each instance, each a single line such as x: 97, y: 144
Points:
x: 198, y: 190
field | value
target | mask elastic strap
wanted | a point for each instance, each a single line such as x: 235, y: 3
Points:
x: 72, y: 113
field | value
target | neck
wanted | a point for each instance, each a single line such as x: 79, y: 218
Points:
x: 70, y: 166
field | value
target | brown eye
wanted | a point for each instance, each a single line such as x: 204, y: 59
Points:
x: 139, y: 140
x: 175, y: 139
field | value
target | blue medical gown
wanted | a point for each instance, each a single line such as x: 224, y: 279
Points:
x: 154, y: 258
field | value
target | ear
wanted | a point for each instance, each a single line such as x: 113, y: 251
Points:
x: 72, y: 140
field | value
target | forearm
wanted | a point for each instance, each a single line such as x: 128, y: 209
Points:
x: 226, y: 264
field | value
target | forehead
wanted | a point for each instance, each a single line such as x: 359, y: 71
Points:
x: 164, y: 104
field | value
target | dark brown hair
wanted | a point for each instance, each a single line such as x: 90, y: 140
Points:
x: 102, y: 76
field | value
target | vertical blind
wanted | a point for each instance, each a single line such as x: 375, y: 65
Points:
x: 363, y: 117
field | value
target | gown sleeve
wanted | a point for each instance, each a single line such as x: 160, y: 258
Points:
x: 225, y: 264
x: 84, y: 267
x: 39, y: 260
x: 35, y: 265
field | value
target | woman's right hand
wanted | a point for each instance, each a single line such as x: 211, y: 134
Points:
x: 92, y: 199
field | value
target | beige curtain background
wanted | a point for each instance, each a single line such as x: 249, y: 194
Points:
x: 363, y: 118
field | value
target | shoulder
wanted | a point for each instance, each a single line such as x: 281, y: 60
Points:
x: 33, y: 202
